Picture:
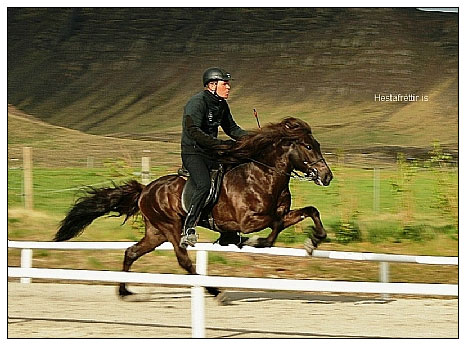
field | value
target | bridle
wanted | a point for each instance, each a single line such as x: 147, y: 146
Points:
x: 313, y: 176
x: 294, y: 174
x: 308, y: 176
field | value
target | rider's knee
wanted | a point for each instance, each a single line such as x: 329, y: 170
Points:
x: 203, y: 189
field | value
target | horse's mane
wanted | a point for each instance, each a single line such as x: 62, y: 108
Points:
x: 257, y: 142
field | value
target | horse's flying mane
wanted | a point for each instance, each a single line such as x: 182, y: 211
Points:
x: 253, y: 144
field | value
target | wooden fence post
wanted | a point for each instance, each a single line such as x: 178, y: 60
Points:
x: 90, y: 162
x: 145, y: 171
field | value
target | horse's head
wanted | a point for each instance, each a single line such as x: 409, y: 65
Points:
x: 304, y: 153
x: 293, y: 140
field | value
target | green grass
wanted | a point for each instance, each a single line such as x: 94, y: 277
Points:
x: 56, y: 189
x: 414, y: 214
x: 350, y: 199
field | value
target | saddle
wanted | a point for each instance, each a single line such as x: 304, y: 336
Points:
x: 206, y: 220
x: 216, y: 177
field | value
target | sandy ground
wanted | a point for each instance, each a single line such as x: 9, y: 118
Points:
x: 46, y: 310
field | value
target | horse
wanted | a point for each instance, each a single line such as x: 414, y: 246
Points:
x: 254, y: 195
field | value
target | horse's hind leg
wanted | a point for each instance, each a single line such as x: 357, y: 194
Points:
x: 183, y: 258
x: 150, y: 241
x: 186, y: 263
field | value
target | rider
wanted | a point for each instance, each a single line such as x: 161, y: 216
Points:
x: 202, y: 116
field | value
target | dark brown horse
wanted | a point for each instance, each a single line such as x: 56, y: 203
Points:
x: 254, y: 195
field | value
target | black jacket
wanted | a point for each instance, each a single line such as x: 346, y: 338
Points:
x: 202, y: 116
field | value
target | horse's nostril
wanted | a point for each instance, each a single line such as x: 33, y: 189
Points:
x: 328, y: 178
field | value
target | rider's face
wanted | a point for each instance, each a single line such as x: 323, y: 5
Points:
x: 223, y: 89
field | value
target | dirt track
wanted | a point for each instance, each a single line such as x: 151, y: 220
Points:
x: 42, y: 310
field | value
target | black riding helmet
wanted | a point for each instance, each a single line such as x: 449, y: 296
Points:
x: 215, y: 73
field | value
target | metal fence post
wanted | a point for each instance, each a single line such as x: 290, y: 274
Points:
x: 26, y: 262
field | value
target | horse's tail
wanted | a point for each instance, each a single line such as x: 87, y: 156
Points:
x: 121, y: 199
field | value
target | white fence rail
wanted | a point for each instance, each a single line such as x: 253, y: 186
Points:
x: 25, y: 272
x: 338, y: 255
x: 383, y: 259
x: 237, y: 282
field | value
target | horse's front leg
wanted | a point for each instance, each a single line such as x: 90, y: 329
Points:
x: 295, y: 216
x: 277, y: 227
x: 289, y: 219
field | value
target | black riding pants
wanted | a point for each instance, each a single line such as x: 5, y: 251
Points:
x: 199, y: 168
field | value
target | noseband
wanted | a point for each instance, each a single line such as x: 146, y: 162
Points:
x: 314, y: 162
x: 313, y: 175
x: 294, y: 174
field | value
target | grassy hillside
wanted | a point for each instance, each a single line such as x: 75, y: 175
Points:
x: 127, y: 72
x: 55, y: 146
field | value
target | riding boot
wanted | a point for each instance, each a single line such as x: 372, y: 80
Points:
x: 189, y: 236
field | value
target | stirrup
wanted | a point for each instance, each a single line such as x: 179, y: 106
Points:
x: 189, y: 238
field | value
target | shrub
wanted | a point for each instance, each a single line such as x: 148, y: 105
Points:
x: 346, y: 232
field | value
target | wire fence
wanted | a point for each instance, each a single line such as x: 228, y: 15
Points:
x: 363, y: 192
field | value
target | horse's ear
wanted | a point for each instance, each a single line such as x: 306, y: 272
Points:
x: 288, y: 124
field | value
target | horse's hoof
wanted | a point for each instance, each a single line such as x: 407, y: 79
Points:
x: 213, y: 291
x: 222, y: 299
x: 309, y: 246
x: 262, y: 242
x: 243, y: 241
x: 123, y: 292
x: 257, y: 242
x: 226, y: 239
x: 251, y: 241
